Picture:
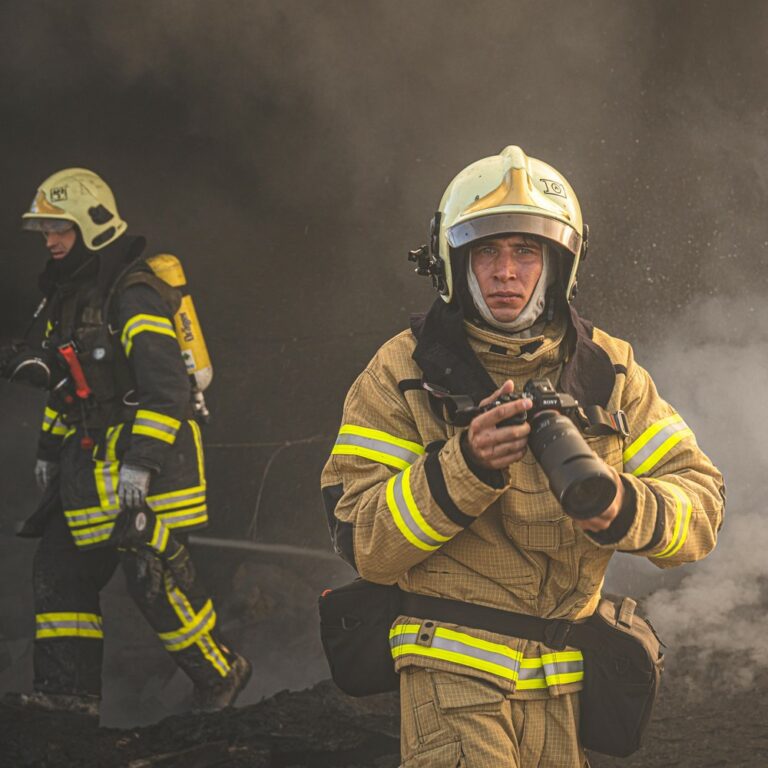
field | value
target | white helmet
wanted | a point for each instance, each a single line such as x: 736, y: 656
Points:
x: 502, y: 194
x: 81, y: 197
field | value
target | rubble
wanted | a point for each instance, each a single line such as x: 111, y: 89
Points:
x: 320, y: 727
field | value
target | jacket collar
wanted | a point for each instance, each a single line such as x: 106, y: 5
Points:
x: 446, y: 359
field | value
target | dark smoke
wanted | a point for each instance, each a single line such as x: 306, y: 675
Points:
x: 291, y: 153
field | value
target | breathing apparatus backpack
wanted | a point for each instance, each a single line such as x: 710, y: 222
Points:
x: 189, y: 333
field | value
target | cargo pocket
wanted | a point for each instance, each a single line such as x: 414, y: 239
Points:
x: 457, y: 692
x: 445, y: 756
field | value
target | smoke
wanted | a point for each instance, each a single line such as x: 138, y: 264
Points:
x: 292, y: 152
x: 709, y: 366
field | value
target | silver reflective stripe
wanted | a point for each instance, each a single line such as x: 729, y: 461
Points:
x: 654, y: 444
x: 407, y: 516
x: 175, y: 499
x: 378, y: 445
x: 158, y: 425
x: 405, y: 638
x: 56, y: 625
x: 173, y: 519
x: 143, y: 321
x: 563, y: 668
x: 189, y: 632
x: 455, y: 646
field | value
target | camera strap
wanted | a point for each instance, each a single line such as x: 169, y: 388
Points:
x: 602, y: 422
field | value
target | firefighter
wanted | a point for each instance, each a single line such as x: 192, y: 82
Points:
x: 120, y: 457
x: 466, y: 513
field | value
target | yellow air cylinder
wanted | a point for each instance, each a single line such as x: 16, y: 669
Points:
x: 188, y: 331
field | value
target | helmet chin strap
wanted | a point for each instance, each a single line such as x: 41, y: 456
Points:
x: 530, y: 312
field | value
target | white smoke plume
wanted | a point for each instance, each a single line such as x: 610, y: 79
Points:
x: 710, y: 367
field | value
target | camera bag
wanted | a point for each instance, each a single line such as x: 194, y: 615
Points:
x: 622, y: 653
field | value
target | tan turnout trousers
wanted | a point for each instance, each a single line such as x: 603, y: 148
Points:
x: 456, y: 721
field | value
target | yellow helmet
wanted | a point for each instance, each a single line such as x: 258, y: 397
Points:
x: 505, y: 193
x: 82, y: 197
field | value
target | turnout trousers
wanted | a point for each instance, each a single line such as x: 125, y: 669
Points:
x: 456, y: 721
x: 69, y: 633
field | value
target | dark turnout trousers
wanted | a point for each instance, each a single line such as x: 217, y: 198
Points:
x: 69, y: 631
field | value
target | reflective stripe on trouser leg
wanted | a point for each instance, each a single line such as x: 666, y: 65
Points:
x: 185, y: 622
x: 445, y: 716
x: 68, y: 647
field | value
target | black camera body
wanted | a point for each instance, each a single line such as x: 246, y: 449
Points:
x: 580, y: 481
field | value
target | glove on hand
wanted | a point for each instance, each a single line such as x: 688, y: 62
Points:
x: 149, y: 572
x: 181, y: 566
x: 45, y: 471
x: 133, y: 486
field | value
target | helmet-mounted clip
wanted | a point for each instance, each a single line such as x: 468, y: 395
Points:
x: 428, y: 265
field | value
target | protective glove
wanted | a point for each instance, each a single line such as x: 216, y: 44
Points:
x: 180, y: 566
x: 133, y: 486
x: 149, y: 573
x: 45, y: 471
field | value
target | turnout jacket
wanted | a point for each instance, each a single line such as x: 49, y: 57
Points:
x: 406, y: 506
x: 140, y: 409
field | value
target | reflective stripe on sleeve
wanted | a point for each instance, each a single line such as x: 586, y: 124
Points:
x: 145, y: 324
x: 551, y: 669
x: 157, y: 425
x: 408, y: 519
x: 683, y: 511
x: 376, y: 445
x: 52, y: 423
x: 68, y: 624
x: 654, y: 444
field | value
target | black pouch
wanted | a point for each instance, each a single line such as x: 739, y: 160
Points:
x: 622, y: 670
x: 355, y: 620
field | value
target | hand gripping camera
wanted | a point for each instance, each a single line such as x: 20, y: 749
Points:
x: 577, y: 477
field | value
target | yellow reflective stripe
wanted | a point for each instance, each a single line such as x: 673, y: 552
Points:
x: 198, y: 438
x: 656, y: 442
x: 147, y: 431
x: 449, y: 645
x: 376, y: 445
x: 52, y: 423
x: 169, y: 421
x: 145, y: 323
x: 416, y: 513
x: 156, y: 425
x: 160, y: 536
x: 558, y: 668
x: 173, y: 495
x: 185, y: 517
x: 649, y: 433
x: 377, y: 434
x: 402, y: 526
x: 683, y: 512
x: 176, y: 501
x: 201, y: 638
x: 48, y: 328
x: 86, y: 537
x: 662, y: 451
x: 90, y: 515
x: 106, y: 473
x: 68, y: 624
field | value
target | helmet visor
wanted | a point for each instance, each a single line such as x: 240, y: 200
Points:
x: 467, y: 232
x: 42, y: 224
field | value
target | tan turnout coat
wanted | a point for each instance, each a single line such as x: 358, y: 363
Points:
x: 405, y: 507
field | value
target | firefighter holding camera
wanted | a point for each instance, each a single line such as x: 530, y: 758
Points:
x: 120, y: 457
x: 461, y: 509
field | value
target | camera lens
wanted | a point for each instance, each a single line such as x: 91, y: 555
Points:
x: 577, y: 477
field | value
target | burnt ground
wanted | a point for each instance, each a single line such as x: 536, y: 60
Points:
x: 692, y: 727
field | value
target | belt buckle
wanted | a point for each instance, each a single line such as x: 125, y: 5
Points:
x: 556, y: 634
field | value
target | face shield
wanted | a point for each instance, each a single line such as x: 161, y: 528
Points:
x: 47, y: 225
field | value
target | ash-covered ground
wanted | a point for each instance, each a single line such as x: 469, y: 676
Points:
x: 693, y: 726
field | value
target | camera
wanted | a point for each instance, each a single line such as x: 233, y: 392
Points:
x: 577, y: 477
